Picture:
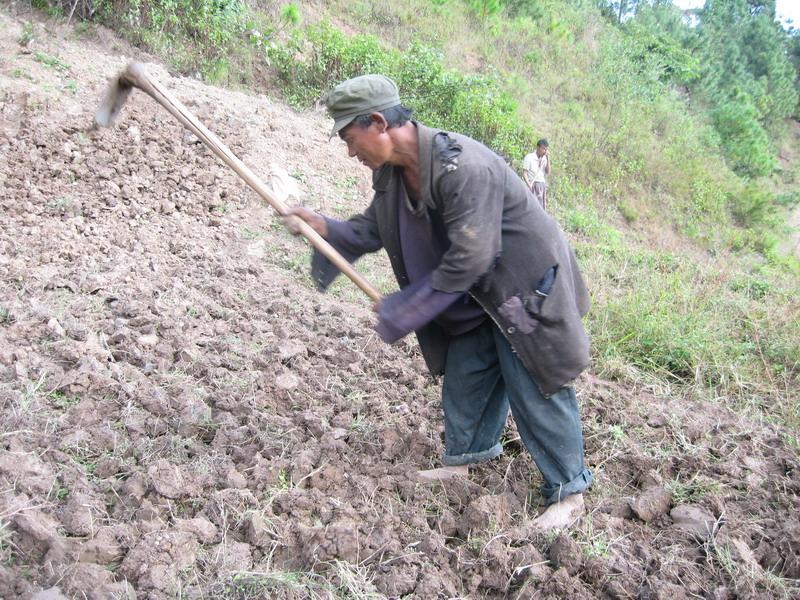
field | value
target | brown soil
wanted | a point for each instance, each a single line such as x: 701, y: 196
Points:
x: 183, y: 416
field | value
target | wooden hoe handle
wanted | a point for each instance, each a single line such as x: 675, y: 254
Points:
x: 136, y: 76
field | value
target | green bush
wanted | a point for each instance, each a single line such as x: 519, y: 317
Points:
x: 196, y: 35
x: 744, y: 140
x: 754, y: 205
x: 318, y: 57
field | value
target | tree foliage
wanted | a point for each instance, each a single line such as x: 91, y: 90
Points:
x: 736, y: 59
x: 746, y: 78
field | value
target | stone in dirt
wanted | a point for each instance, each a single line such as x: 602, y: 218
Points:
x: 287, y: 381
x: 291, y: 348
x: 30, y: 473
x: 256, y: 530
x: 338, y: 540
x: 195, y: 415
x: 82, y: 514
x: 102, y: 549
x: 154, y: 562
x: 487, y: 513
x: 200, y: 527
x: 695, y: 519
x: 565, y: 553
x: 167, y: 480
x: 399, y: 579
x: 121, y: 590
x: 652, y: 503
x: 230, y: 557
x: 37, y: 532
x: 86, y: 577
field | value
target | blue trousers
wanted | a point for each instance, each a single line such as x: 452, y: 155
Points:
x: 483, y: 378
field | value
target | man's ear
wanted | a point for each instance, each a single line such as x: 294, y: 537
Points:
x: 381, y: 122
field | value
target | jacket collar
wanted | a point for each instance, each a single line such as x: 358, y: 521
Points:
x: 384, y: 177
x: 425, y: 137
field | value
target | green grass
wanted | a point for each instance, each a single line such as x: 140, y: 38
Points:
x: 52, y: 62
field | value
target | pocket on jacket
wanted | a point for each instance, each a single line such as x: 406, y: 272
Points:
x: 525, y: 312
x: 515, y: 312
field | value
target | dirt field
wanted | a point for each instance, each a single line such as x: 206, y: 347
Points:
x: 183, y: 416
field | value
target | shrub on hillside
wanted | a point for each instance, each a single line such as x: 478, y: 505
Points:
x: 745, y: 142
x: 316, y: 58
x: 196, y: 35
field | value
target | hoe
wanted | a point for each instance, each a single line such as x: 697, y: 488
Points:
x: 135, y: 76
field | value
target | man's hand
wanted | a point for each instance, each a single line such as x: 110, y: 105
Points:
x: 296, y: 213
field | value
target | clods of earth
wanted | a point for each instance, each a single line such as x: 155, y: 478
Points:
x: 183, y: 416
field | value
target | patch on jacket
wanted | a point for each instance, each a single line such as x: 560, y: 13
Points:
x: 448, y: 151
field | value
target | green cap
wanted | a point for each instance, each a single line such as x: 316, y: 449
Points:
x: 360, y: 96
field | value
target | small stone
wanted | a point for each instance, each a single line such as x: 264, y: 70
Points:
x: 148, y: 341
x: 234, y: 479
x: 53, y: 593
x: 486, y: 513
x: 652, y: 503
x: 167, y: 480
x: 287, y: 381
x: 337, y: 433
x: 200, y: 527
x: 565, y: 553
x: 195, y: 415
x: 56, y: 329
x: 657, y: 420
x: 695, y: 519
x: 256, y: 531
x: 290, y: 349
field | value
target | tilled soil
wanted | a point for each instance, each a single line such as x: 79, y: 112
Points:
x: 183, y: 416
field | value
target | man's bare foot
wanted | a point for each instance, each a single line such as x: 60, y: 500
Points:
x: 442, y: 474
x: 560, y: 515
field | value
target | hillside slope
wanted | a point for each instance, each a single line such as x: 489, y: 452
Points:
x: 182, y: 415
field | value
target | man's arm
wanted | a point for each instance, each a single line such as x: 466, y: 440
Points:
x: 411, y: 309
x: 472, y: 198
x: 547, y: 162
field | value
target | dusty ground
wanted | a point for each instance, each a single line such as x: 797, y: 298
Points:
x: 182, y: 416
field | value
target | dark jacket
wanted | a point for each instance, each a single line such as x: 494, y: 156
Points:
x: 502, y: 247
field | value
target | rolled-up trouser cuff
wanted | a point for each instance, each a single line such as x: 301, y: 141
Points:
x: 456, y: 460
x: 556, y: 493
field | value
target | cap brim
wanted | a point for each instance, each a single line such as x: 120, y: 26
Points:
x: 341, y: 124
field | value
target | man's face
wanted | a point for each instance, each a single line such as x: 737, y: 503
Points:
x: 370, y: 145
x: 541, y: 150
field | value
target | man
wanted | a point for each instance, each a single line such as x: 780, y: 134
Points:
x: 488, y: 283
x: 534, y: 168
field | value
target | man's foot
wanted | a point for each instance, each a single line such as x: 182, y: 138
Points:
x: 560, y: 515
x: 442, y: 474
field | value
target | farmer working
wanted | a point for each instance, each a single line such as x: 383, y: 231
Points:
x: 487, y: 281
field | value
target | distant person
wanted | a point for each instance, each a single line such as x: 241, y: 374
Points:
x: 535, y: 167
x: 488, y: 282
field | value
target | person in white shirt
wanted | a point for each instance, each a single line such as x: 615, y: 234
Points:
x: 534, y: 168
